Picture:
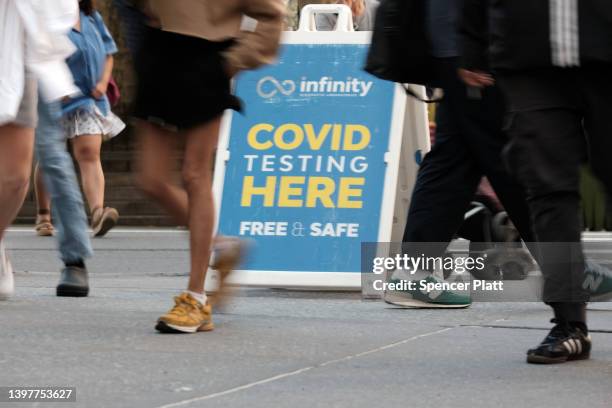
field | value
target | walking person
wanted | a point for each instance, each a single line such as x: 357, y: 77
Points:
x: 469, y: 145
x: 60, y: 180
x: 227, y: 252
x: 557, y: 84
x: 87, y: 119
x: 34, y: 39
x: 190, y: 52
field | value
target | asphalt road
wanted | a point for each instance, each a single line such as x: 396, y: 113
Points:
x: 272, y: 348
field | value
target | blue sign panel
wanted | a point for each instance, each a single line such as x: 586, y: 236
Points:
x: 306, y: 169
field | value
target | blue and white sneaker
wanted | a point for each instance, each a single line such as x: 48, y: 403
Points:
x: 598, y: 281
x: 422, y: 299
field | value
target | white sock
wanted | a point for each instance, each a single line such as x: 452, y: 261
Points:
x: 200, y: 297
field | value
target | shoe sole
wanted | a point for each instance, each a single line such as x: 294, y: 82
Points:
x: 535, y: 359
x: 419, y: 304
x: 71, y: 291
x: 107, y: 223
x: 164, y: 327
x: 44, y: 233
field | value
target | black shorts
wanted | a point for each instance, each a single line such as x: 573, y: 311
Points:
x: 181, y: 79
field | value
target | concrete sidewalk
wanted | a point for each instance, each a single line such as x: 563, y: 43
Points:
x: 273, y: 348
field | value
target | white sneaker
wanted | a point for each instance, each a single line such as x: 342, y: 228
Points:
x: 7, y: 282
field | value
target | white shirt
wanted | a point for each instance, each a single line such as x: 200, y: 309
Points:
x: 33, y: 37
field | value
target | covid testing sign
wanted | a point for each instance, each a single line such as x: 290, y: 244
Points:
x: 305, y: 164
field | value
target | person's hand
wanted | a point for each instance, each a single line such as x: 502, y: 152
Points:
x: 477, y: 79
x: 229, y: 70
x: 100, y: 90
x: 357, y: 6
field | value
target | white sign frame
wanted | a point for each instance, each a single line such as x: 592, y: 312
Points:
x: 318, y: 280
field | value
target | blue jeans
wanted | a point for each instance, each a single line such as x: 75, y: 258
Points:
x: 60, y: 179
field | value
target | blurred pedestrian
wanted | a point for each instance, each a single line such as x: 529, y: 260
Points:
x: 227, y: 252
x: 468, y: 146
x: 190, y: 52
x: 33, y: 38
x: 57, y: 169
x: 556, y: 80
x: 87, y: 118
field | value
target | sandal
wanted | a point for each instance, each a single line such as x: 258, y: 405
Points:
x: 43, y: 227
x: 103, y: 220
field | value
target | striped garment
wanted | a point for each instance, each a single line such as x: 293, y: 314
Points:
x: 564, y: 31
x: 518, y: 35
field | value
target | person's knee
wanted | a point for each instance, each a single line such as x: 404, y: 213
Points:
x: 16, y: 182
x: 151, y: 184
x: 87, y: 154
x: 196, y: 179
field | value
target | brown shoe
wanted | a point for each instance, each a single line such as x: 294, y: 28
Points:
x: 43, y: 227
x: 103, y: 220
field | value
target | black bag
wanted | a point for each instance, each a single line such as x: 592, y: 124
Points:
x: 400, y: 46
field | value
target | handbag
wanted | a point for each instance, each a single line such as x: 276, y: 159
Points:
x: 399, y: 51
x: 112, y: 92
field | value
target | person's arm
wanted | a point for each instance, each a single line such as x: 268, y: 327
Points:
x: 47, y: 45
x: 357, y: 6
x: 474, y: 42
x: 110, y: 48
x: 257, y: 47
x: 100, y: 89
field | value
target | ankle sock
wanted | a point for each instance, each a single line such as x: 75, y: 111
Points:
x: 77, y: 264
x: 200, y: 297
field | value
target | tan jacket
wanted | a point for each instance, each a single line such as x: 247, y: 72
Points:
x: 217, y: 20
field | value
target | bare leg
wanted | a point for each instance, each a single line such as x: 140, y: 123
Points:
x: 155, y: 165
x: 43, y: 199
x: 87, y: 153
x: 197, y: 176
x: 16, y: 151
x: 44, y: 228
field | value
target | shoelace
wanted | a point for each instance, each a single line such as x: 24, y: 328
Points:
x: 181, y: 306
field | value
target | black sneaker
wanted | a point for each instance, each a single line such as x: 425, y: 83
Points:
x: 73, y: 282
x: 565, y: 342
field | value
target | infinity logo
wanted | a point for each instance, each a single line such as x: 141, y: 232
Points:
x: 287, y: 87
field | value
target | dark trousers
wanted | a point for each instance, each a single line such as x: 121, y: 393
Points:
x: 469, y: 144
x: 557, y: 119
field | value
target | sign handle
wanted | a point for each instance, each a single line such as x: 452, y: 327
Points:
x: 308, y: 16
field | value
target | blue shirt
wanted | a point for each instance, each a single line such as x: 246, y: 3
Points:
x: 94, y: 44
x: 442, y: 23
